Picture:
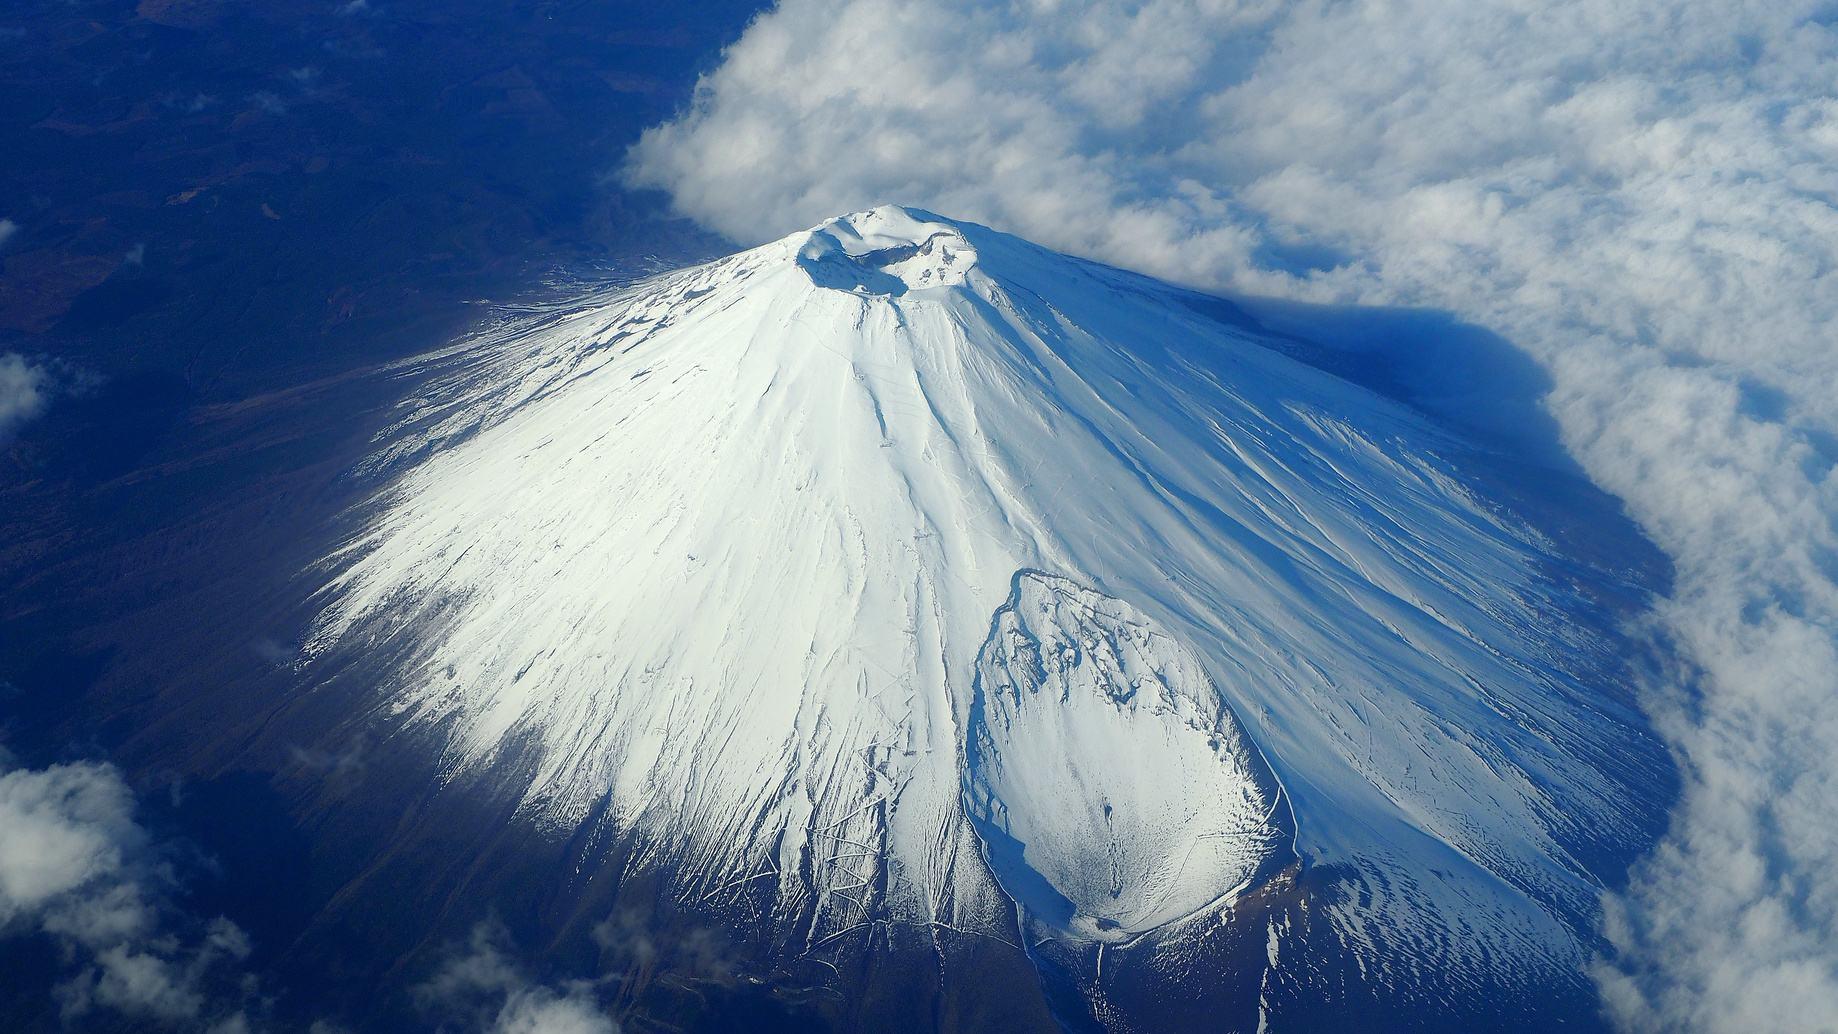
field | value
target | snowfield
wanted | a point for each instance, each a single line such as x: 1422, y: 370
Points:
x: 900, y: 570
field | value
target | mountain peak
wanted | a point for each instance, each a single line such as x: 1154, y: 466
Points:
x: 888, y: 250
x: 1051, y: 595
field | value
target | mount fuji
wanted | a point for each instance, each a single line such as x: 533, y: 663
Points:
x: 900, y: 593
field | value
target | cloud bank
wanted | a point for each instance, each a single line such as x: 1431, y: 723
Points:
x: 1640, y: 193
x: 77, y: 868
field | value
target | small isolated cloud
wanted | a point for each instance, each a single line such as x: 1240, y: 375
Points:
x: 336, y: 768
x: 8, y: 229
x: 77, y: 868
x: 484, y: 984
x: 24, y: 390
x: 1643, y: 194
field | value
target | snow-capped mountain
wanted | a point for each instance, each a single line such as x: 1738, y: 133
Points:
x: 900, y: 581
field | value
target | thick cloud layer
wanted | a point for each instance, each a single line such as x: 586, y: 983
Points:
x: 76, y: 867
x: 1640, y: 193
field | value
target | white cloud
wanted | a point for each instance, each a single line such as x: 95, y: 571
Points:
x: 24, y: 388
x: 7, y: 229
x: 76, y: 867
x: 67, y: 827
x: 485, y: 982
x: 542, y: 1011
x: 1640, y: 193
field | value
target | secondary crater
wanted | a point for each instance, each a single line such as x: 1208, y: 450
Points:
x: 1113, y: 789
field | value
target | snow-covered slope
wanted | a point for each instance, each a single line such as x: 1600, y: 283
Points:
x: 899, y: 561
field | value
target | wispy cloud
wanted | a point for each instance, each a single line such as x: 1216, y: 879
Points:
x: 1641, y: 193
x: 24, y: 390
x: 483, y: 983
